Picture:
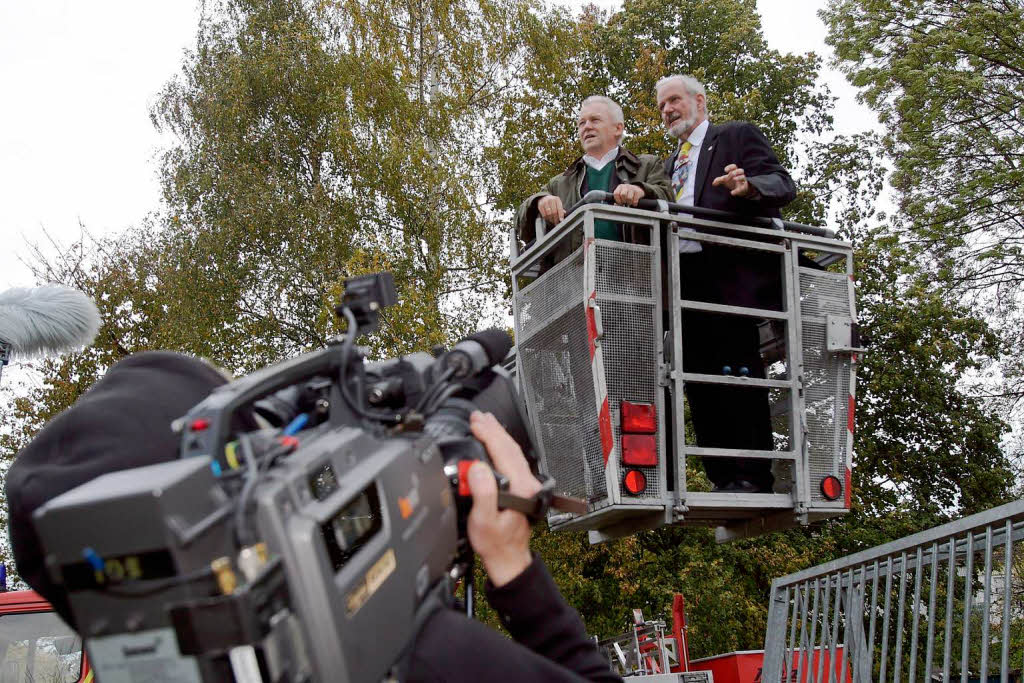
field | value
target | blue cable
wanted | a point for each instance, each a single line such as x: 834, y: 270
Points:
x: 93, y: 558
x: 296, y: 425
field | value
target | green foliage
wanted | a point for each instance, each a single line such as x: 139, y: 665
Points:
x: 947, y: 80
x: 623, y: 54
x: 921, y: 439
x: 316, y: 142
x: 723, y: 585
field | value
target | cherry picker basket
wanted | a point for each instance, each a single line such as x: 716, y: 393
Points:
x: 602, y: 327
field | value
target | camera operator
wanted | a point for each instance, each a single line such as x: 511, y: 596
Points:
x: 552, y: 644
x: 123, y: 422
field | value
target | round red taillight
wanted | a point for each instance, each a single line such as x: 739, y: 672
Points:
x: 831, y: 487
x: 635, y: 482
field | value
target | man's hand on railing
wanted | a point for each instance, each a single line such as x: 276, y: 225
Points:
x: 550, y: 208
x: 628, y: 195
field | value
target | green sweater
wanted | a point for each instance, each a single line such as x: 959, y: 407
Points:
x: 602, y: 180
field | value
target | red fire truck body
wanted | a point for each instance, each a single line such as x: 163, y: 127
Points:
x: 36, y: 645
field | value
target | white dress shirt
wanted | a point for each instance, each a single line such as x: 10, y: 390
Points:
x: 598, y: 164
x: 696, y: 140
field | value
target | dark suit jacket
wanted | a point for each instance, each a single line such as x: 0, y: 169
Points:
x: 725, y: 417
x: 733, y: 276
x: 742, y: 144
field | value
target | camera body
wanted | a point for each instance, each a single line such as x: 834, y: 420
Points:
x: 306, y: 551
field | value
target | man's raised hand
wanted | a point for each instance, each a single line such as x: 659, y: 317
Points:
x: 735, y: 180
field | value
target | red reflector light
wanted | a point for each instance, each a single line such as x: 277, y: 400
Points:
x: 639, y: 450
x: 831, y: 487
x: 635, y: 482
x: 638, y: 418
x: 199, y: 424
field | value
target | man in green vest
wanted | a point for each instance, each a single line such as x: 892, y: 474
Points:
x: 605, y: 165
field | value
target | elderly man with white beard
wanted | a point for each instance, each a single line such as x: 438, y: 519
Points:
x: 728, y: 167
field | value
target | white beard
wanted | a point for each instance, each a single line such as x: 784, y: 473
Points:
x: 679, y: 128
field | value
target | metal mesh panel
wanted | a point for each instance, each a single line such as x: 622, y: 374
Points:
x: 629, y: 344
x: 557, y: 372
x: 779, y: 403
x: 630, y: 367
x: 549, y: 295
x: 826, y: 395
x: 826, y: 376
x: 823, y: 293
x: 624, y: 269
x: 554, y: 351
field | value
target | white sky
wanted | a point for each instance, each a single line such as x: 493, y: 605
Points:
x: 79, y: 77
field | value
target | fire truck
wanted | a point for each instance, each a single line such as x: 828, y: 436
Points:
x: 36, y: 645
x: 600, y: 341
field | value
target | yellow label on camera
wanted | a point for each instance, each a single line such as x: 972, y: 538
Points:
x: 374, y: 579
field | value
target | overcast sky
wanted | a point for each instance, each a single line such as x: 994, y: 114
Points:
x: 78, y: 78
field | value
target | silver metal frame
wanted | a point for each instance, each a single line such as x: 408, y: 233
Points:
x: 865, y: 584
x: 735, y: 514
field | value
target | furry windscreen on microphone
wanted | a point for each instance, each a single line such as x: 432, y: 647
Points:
x: 49, y: 319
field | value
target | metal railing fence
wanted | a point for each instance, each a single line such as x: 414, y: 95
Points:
x: 945, y: 604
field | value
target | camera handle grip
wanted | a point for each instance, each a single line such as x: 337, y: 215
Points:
x: 536, y: 506
x: 207, y: 425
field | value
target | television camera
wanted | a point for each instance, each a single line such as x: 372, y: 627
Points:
x: 312, y: 549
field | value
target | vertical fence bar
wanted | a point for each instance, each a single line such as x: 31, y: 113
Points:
x: 845, y: 624
x: 884, y: 661
x: 824, y: 629
x: 934, y: 578
x: 985, y: 606
x: 871, y: 623
x: 947, y: 648
x: 833, y: 635
x: 915, y: 605
x: 897, y: 663
x: 788, y: 662
x: 860, y: 652
x: 809, y: 663
x: 1004, y: 660
x: 775, y: 638
x: 965, y: 645
x: 862, y: 669
x: 803, y: 629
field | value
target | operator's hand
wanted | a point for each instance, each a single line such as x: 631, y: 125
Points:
x: 501, y: 538
x: 628, y: 195
x: 551, y: 209
x: 735, y: 180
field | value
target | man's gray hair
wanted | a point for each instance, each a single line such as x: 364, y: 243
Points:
x: 613, y: 108
x: 689, y: 83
